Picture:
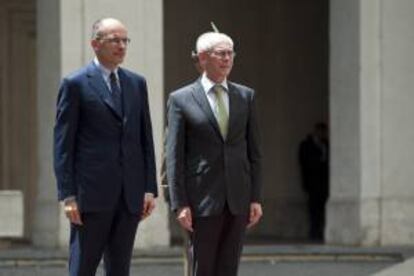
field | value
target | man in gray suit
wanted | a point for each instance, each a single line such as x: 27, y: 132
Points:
x: 214, y: 160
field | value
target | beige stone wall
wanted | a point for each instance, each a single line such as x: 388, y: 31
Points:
x: 11, y: 214
x: 371, y: 79
x: 397, y: 133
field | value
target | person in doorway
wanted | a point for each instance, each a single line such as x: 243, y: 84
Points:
x: 314, y: 165
x: 104, y: 155
x: 214, y: 160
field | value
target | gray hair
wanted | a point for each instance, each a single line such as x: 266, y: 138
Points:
x: 97, y: 27
x: 209, y: 40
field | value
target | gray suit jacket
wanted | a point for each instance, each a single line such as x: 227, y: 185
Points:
x: 204, y: 170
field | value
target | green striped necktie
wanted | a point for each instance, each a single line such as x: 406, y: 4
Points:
x: 221, y: 111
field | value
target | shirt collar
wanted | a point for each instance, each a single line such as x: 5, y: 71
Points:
x: 105, y: 71
x: 208, y: 84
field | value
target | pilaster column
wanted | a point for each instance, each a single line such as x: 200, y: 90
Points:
x: 353, y: 213
x: 46, y: 224
x: 372, y: 67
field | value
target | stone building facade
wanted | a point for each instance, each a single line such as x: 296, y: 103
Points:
x: 348, y: 63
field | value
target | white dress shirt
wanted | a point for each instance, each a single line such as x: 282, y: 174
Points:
x: 106, y: 72
x: 207, y: 86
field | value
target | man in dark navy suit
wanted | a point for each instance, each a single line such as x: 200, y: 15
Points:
x: 104, y: 155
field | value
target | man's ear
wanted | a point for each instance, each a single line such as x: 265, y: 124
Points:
x: 202, y: 57
x: 95, y: 44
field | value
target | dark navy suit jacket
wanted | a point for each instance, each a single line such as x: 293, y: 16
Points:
x: 98, y: 153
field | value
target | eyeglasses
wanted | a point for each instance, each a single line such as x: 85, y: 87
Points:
x: 116, y: 40
x: 223, y: 53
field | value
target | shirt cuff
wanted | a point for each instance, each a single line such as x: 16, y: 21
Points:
x: 69, y: 199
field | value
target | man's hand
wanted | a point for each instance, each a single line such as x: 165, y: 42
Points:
x: 256, y: 213
x: 185, y: 219
x: 149, y: 205
x: 72, y: 211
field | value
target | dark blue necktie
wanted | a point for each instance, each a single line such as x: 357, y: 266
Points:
x: 116, y: 94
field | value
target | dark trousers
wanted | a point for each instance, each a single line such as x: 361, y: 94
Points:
x: 109, y: 234
x: 217, y: 243
x: 316, y: 206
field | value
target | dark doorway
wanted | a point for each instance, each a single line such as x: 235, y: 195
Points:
x: 282, y: 52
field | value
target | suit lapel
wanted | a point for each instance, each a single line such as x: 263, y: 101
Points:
x: 201, y: 98
x: 99, y: 86
x: 232, y: 108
